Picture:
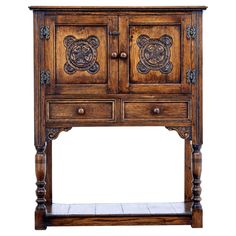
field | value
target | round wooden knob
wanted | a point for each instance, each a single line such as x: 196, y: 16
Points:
x: 123, y: 55
x: 81, y: 111
x: 156, y: 110
x: 114, y: 55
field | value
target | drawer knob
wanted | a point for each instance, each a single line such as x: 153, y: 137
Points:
x: 114, y: 55
x: 81, y: 111
x: 156, y: 110
x: 123, y: 55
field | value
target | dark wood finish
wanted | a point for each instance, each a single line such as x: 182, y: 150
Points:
x: 118, y: 66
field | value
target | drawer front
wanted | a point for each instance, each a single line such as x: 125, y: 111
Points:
x: 81, y: 110
x: 152, y: 110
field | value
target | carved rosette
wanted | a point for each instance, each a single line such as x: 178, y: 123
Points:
x: 154, y: 54
x: 81, y: 54
x: 52, y: 133
x: 184, y: 132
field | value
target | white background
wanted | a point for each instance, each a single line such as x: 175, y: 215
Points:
x: 117, y: 164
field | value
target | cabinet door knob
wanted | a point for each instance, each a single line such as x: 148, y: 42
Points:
x: 114, y: 55
x: 156, y: 110
x: 123, y: 55
x: 81, y: 111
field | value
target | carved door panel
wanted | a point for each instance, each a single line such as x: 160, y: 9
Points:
x: 77, y: 54
x: 158, y: 54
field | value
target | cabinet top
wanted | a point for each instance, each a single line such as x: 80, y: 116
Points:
x: 118, y: 8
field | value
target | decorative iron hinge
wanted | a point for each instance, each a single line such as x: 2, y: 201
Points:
x: 191, y: 32
x: 191, y: 76
x: 44, y: 77
x: 44, y: 32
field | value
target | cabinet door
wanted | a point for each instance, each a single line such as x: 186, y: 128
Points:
x: 158, y: 54
x: 77, y: 54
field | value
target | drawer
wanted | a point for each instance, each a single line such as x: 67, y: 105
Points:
x: 153, y: 110
x: 80, y: 110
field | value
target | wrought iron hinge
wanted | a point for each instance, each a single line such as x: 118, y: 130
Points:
x: 191, y: 76
x: 191, y: 32
x: 44, y: 32
x: 44, y: 77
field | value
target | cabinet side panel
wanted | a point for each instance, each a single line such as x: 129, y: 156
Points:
x: 197, y: 88
x: 39, y: 131
x: 200, y: 82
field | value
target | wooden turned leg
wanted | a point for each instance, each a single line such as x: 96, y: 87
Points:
x: 188, y: 171
x: 49, y: 172
x: 40, y: 169
x: 196, y: 191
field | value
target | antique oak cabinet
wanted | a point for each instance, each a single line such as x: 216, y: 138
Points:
x: 118, y: 66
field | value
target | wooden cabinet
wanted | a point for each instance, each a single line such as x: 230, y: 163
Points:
x: 122, y: 66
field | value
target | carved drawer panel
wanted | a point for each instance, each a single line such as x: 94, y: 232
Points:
x: 153, y: 110
x: 80, y: 110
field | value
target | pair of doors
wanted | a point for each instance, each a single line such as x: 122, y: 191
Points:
x: 98, y: 54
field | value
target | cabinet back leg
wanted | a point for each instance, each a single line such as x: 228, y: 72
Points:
x: 49, y: 172
x: 188, y: 171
